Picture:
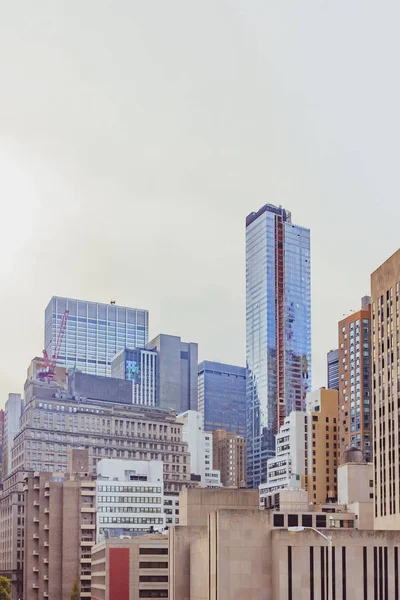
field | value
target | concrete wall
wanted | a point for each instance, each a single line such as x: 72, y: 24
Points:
x: 354, y: 482
x: 195, y: 504
x: 180, y: 541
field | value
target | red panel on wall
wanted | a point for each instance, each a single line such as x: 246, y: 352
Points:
x: 119, y: 574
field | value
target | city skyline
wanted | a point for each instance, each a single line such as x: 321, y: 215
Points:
x: 111, y: 194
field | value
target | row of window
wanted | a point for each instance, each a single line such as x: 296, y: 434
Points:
x: 130, y: 499
x: 130, y: 489
x: 128, y: 509
x: 142, y: 520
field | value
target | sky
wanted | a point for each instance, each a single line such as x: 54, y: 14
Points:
x: 136, y: 136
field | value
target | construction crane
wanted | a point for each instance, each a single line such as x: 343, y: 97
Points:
x: 50, y: 363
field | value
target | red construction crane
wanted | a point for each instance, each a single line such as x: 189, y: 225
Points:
x: 50, y: 363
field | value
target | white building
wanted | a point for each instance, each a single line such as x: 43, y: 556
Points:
x: 129, y: 497
x: 287, y: 468
x: 200, y: 448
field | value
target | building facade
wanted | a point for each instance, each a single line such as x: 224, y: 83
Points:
x: 139, y: 366
x: 200, y: 447
x: 222, y: 397
x: 94, y: 333
x: 278, y: 329
x: 229, y: 458
x: 322, y: 446
x: 287, y: 469
x: 385, y: 284
x: 129, y: 497
x: 355, y: 360
x: 12, y: 415
x: 54, y: 422
x: 60, y: 523
x: 333, y: 369
x: 12, y: 521
x: 130, y: 569
x: 176, y: 380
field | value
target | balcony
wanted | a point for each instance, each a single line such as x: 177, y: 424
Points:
x: 46, y: 561
x: 88, y: 509
x: 85, y: 560
x: 35, y: 536
x: 46, y: 510
x: 35, y: 586
x: 46, y: 544
x: 46, y: 577
x: 47, y: 485
x: 85, y: 577
x: 36, y: 520
x: 86, y: 594
x: 36, y: 503
x: 88, y: 492
x: 25, y: 488
x: 47, y: 494
x: 88, y: 526
x: 87, y: 543
x: 36, y: 486
x: 46, y: 527
x: 35, y: 570
x: 35, y: 553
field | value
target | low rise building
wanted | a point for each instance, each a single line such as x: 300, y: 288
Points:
x: 129, y: 497
x: 60, y: 530
x: 229, y: 457
x: 238, y: 552
x: 130, y: 569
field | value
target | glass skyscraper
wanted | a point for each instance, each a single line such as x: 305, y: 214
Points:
x: 278, y: 329
x: 222, y: 397
x: 94, y: 333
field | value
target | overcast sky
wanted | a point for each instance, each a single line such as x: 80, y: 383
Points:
x: 135, y: 137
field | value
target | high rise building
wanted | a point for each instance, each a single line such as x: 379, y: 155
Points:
x: 60, y: 530
x: 322, y: 445
x: 176, y: 385
x: 222, y: 397
x: 287, y: 469
x: 53, y: 422
x: 200, y: 447
x: 355, y: 416
x: 139, y: 366
x: 385, y: 287
x: 333, y: 369
x: 129, y: 497
x: 12, y: 414
x: 94, y: 333
x: 278, y: 329
x: 229, y: 452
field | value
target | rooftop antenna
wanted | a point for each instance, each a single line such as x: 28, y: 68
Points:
x: 112, y: 302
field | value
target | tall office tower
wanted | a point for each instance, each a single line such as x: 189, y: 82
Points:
x: 322, y: 446
x: 222, y: 397
x: 176, y: 372
x: 94, y: 333
x: 60, y: 530
x: 333, y: 369
x: 200, y: 447
x: 385, y: 284
x: 129, y: 497
x: 229, y: 450
x: 355, y: 418
x: 12, y: 414
x: 278, y: 329
x: 139, y: 366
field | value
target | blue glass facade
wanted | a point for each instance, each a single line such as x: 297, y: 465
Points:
x: 222, y: 397
x: 278, y: 329
x: 94, y: 334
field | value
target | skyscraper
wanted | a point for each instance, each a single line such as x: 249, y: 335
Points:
x: 355, y: 416
x: 278, y: 329
x: 222, y: 397
x: 333, y: 369
x: 385, y: 288
x: 94, y: 333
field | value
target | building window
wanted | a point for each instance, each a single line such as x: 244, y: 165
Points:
x: 279, y: 520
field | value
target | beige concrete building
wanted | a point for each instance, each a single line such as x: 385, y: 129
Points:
x: 53, y: 422
x: 356, y: 487
x: 229, y: 457
x: 130, y: 569
x: 322, y: 446
x: 12, y: 520
x: 385, y: 284
x: 248, y: 554
x: 60, y: 523
x: 197, y: 503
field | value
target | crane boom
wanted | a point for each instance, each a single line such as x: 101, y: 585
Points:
x: 50, y: 363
